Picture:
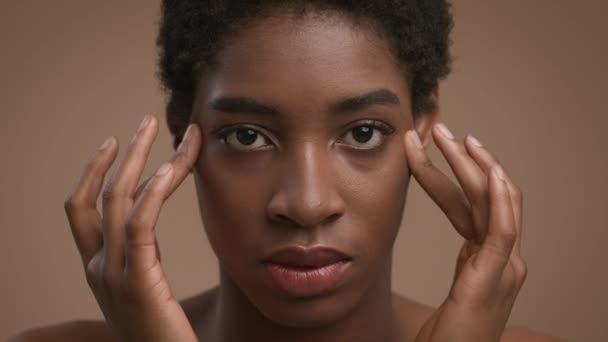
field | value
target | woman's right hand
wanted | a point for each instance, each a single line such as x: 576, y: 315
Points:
x: 119, y: 249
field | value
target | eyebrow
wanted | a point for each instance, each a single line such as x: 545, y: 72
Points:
x: 240, y: 104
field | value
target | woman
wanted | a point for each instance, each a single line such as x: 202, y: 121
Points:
x: 302, y: 122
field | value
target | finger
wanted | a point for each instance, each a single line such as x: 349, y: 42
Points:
x: 496, y: 249
x: 181, y: 164
x: 140, y: 243
x: 461, y: 260
x: 127, y: 175
x: 438, y: 186
x: 118, y: 198
x: 158, y: 256
x: 81, y: 205
x: 470, y: 176
x: 487, y: 161
x: 182, y: 161
x: 467, y: 249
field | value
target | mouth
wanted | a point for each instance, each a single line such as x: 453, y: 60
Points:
x: 306, y: 272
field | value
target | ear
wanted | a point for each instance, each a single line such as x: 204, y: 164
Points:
x: 427, y: 119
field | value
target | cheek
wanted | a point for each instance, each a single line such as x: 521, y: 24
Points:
x: 231, y: 203
x: 234, y: 192
x: 377, y: 201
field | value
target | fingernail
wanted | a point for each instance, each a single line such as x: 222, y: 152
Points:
x: 445, y: 131
x: 185, y: 138
x: 107, y: 143
x: 164, y: 169
x: 144, y: 123
x: 474, y: 141
x: 499, y: 172
x: 188, y: 132
x: 415, y: 139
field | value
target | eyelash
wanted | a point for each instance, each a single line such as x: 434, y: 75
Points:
x: 380, y: 126
x: 385, y: 129
x: 223, y: 133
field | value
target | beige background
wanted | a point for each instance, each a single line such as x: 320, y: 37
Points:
x: 529, y: 81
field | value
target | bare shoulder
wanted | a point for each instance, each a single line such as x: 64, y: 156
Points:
x: 415, y: 314
x: 521, y: 334
x: 78, y: 330
x: 200, y: 312
x: 195, y: 307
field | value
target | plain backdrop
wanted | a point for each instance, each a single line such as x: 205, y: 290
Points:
x: 528, y: 81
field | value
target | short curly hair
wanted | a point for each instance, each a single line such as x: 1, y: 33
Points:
x: 192, y: 32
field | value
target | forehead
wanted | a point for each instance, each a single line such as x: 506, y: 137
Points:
x: 311, y: 57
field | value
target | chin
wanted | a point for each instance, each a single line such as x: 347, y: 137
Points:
x: 291, y: 311
x: 308, y: 312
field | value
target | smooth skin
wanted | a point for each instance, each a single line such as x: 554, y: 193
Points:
x: 136, y: 298
x: 122, y: 260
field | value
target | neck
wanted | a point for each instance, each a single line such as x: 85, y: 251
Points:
x: 373, y: 319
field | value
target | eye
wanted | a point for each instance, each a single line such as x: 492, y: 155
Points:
x: 244, y: 138
x: 367, y: 136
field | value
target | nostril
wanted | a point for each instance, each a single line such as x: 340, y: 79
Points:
x: 283, y: 219
x: 286, y: 221
x: 333, y: 217
x: 293, y: 207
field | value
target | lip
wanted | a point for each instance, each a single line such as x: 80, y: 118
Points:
x: 305, y: 272
x: 307, y: 257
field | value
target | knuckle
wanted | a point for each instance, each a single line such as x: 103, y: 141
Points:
x: 519, y: 195
x: 521, y: 268
x: 92, y: 274
x: 69, y: 203
x: 111, y: 193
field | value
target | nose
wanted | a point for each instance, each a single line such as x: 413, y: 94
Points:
x: 307, y: 193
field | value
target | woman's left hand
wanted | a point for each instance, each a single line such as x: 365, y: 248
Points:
x: 487, y: 212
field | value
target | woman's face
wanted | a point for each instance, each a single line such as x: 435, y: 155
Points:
x: 303, y: 122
